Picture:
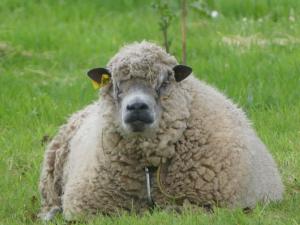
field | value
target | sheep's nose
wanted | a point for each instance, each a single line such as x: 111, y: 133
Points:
x: 138, y: 115
x: 137, y: 106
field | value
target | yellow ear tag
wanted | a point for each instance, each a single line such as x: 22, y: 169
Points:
x: 104, y: 80
x: 95, y: 85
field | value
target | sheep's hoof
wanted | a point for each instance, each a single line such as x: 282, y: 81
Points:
x: 247, y: 210
x: 50, y: 214
x: 173, y: 209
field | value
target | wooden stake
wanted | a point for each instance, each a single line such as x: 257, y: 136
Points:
x: 183, y: 30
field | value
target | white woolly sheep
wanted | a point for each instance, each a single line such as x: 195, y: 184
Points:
x: 198, y: 144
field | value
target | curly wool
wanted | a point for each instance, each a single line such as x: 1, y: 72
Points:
x: 207, y: 147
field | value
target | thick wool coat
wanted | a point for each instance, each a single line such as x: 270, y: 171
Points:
x: 206, y: 148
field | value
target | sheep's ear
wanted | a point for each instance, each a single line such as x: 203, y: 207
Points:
x: 181, y: 72
x: 100, y: 77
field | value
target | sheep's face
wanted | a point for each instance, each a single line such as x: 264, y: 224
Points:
x: 138, y: 106
x: 138, y: 100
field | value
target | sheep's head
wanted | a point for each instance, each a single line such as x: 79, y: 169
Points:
x: 142, y: 75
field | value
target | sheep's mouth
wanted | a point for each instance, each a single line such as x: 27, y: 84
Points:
x: 139, y: 122
x: 139, y: 118
x: 138, y: 126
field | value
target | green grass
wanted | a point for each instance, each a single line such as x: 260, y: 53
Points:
x: 251, y: 53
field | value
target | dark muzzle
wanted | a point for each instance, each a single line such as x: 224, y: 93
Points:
x: 138, y: 115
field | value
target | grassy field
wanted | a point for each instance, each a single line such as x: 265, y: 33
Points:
x: 251, y: 52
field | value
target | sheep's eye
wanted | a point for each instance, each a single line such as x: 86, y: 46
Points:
x: 164, y: 84
x: 118, y: 92
x: 163, y: 87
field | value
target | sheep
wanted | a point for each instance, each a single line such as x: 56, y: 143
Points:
x: 157, y: 137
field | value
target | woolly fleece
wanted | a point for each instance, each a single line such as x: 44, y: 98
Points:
x: 208, y: 150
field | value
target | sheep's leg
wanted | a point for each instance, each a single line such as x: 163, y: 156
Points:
x: 51, y: 181
x: 54, y: 174
x: 47, y: 216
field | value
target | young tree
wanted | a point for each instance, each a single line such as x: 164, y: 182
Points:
x: 166, y: 15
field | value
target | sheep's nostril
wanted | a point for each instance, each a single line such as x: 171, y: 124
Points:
x: 137, y: 106
x: 138, y: 115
